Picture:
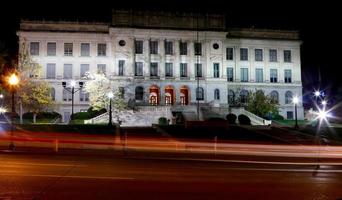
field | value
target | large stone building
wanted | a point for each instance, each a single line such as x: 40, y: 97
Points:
x: 167, y: 59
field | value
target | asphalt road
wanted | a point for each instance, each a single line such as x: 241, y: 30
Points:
x: 103, y: 176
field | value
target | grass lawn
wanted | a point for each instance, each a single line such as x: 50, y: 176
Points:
x: 289, y: 122
x: 68, y: 128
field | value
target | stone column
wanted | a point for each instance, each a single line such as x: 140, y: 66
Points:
x: 161, y: 53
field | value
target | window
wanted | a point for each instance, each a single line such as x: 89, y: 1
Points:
x: 258, y: 55
x: 259, y: 77
x: 288, y: 97
x: 139, y: 45
x: 101, y: 69
x: 53, y: 94
x: 138, y: 69
x: 230, y: 74
x: 85, y: 49
x: 84, y: 96
x: 154, y: 69
x: 216, y: 46
x: 243, y: 54
x: 198, y: 70
x: 50, y: 71
x: 153, y: 47
x: 168, y: 48
x: 168, y: 69
x: 66, y: 94
x: 199, y: 94
x: 287, y: 56
x: 122, y: 43
x: 229, y: 53
x: 183, y: 48
x: 243, y: 96
x: 244, y: 74
x: 274, y: 96
x: 68, y: 48
x: 139, y: 93
x: 84, y: 70
x: 231, y: 97
x: 217, y: 94
x: 183, y: 69
x: 121, y: 67
x: 289, y: 115
x: 34, y: 48
x: 51, y: 48
x: 101, y: 49
x: 273, y: 55
x: 67, y: 71
x: 198, y: 48
x: 216, y: 70
x: 273, y: 76
x: 288, y: 76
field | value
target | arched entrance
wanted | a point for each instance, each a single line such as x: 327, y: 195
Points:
x: 184, y: 95
x: 169, y: 95
x: 154, y: 95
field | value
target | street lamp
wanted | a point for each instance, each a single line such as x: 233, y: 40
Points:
x: 295, y: 101
x: 13, y: 81
x: 1, y: 99
x: 73, y: 90
x: 110, y: 96
x: 317, y: 93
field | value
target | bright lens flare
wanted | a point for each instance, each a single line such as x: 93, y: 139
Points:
x: 295, y: 100
x: 110, y: 95
x: 13, y: 79
x: 322, y: 115
x: 3, y: 110
x: 317, y: 93
x: 324, y: 102
x: 73, y: 83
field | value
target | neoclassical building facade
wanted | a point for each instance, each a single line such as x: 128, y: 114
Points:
x: 167, y: 59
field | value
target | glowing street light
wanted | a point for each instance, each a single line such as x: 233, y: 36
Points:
x: 110, y: 96
x: 13, y: 81
x: 322, y: 115
x: 72, y: 91
x: 324, y: 103
x: 1, y: 99
x: 2, y: 110
x: 295, y: 101
x: 317, y: 93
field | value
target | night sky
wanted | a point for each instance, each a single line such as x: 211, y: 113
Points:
x: 318, y: 23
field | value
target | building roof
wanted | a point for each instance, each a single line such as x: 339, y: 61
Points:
x: 63, y: 26
x: 262, y: 34
x: 175, y: 21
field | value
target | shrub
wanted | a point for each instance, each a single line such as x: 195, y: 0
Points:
x: 94, y: 113
x: 277, y: 117
x: 162, y: 121
x: 244, y: 120
x: 81, y: 115
x: 42, y: 115
x: 231, y: 118
x: 215, y: 119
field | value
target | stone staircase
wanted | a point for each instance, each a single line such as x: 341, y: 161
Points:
x: 142, y: 116
x: 222, y: 112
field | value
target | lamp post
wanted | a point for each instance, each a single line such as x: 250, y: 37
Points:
x: 1, y: 100
x: 13, y: 81
x: 110, y: 97
x: 295, y: 101
x: 72, y: 90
